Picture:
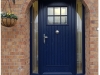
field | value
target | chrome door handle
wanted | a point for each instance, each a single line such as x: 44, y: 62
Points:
x: 45, y: 37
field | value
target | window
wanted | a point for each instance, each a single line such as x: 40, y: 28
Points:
x: 57, y: 15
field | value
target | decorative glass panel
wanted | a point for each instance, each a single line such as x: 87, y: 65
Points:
x: 63, y: 19
x: 57, y: 19
x: 63, y: 10
x: 57, y: 10
x: 50, y: 10
x: 50, y: 19
x: 79, y: 36
x: 35, y: 39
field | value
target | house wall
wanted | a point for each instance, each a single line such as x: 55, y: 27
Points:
x: 15, y: 41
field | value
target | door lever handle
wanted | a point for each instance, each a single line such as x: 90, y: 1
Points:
x: 45, y: 37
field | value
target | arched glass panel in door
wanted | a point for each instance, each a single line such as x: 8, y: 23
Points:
x: 80, y: 37
x: 35, y: 38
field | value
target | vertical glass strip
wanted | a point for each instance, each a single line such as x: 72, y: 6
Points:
x: 35, y: 38
x: 79, y: 36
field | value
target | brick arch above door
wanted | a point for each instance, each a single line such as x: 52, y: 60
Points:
x: 27, y: 4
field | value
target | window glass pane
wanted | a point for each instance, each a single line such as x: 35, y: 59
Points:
x: 57, y: 19
x: 63, y: 10
x: 35, y: 38
x: 79, y: 36
x: 50, y: 10
x: 63, y: 19
x: 57, y: 10
x: 50, y: 19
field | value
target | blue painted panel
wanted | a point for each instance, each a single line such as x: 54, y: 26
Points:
x: 58, y: 55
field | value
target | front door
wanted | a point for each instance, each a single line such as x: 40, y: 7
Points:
x: 57, y: 45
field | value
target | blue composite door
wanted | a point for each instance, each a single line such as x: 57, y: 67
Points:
x: 57, y: 42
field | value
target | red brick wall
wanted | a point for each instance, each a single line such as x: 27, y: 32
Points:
x: 91, y: 36
x: 15, y: 42
x: 87, y: 44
